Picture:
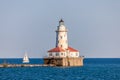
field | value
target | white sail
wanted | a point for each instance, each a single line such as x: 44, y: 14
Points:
x: 25, y: 59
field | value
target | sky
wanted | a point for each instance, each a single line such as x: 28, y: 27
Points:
x: 29, y: 26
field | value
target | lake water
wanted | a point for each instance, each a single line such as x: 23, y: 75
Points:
x: 93, y: 69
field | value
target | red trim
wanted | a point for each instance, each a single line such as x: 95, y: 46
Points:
x: 72, y: 49
x: 59, y: 49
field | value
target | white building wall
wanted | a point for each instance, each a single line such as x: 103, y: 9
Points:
x: 63, y: 54
x: 57, y: 54
x: 74, y: 54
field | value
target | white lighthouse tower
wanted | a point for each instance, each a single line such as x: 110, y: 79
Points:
x: 61, y: 36
x: 63, y: 54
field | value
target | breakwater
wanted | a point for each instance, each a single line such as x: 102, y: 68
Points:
x: 23, y: 65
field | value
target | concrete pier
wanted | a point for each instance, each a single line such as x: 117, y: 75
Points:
x: 23, y: 65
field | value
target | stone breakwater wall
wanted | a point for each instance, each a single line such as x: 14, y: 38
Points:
x: 64, y: 61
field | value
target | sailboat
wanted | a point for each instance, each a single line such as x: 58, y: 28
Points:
x: 25, y: 58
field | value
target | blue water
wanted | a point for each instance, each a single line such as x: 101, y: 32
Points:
x: 93, y: 69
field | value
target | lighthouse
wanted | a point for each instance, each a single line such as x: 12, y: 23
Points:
x: 61, y: 36
x: 62, y: 54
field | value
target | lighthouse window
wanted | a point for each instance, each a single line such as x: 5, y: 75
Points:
x: 50, y: 54
x: 61, y: 53
x: 64, y: 54
x: 61, y: 45
x: 61, y: 37
x: 76, y: 54
x: 57, y: 54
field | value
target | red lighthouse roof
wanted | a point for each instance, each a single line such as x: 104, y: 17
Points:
x: 72, y: 49
x: 59, y: 49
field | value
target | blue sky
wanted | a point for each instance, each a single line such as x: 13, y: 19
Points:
x: 29, y: 25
